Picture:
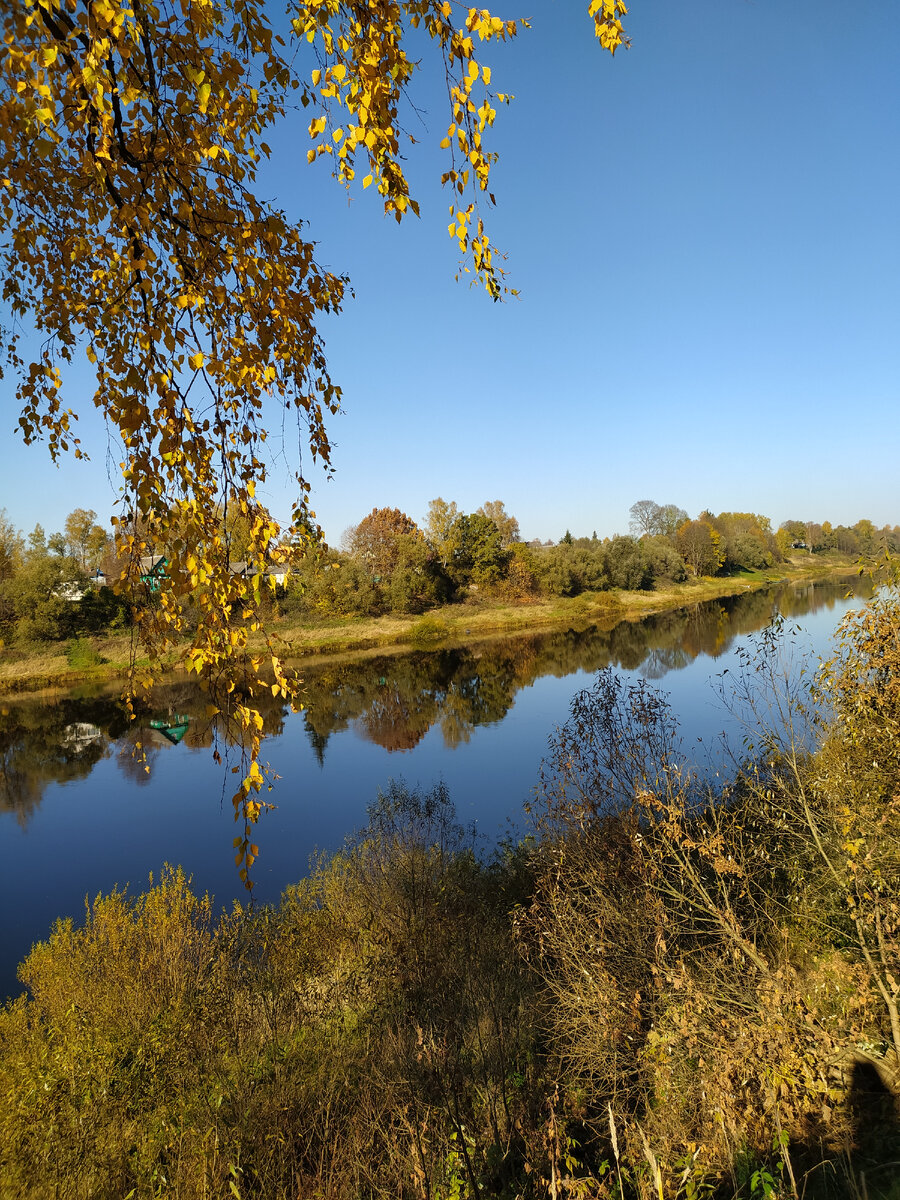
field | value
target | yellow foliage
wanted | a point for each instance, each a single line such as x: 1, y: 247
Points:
x: 130, y: 136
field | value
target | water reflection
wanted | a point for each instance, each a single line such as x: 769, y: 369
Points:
x: 389, y: 700
x: 393, y: 701
x: 59, y: 742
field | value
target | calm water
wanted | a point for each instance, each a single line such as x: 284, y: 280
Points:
x: 79, y: 814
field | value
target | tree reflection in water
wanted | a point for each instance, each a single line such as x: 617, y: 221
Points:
x: 390, y: 700
x: 394, y: 700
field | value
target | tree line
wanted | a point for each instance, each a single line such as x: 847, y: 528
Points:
x: 388, y: 563
x: 55, y: 586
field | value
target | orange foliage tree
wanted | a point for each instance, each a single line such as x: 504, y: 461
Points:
x: 378, y: 539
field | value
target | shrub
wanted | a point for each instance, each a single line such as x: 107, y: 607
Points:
x: 627, y: 566
x: 665, y: 563
x: 81, y: 655
x: 367, y: 1030
x: 428, y: 630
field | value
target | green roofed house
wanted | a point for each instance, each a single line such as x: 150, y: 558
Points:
x: 153, y: 570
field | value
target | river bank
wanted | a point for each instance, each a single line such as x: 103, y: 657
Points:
x: 609, y: 985
x: 107, y: 658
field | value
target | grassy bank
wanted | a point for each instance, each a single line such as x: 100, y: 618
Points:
x: 55, y: 666
x: 475, y: 620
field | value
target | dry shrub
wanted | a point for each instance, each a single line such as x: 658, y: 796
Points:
x: 368, y: 1037
x: 694, y: 976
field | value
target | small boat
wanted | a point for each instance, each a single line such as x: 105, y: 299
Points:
x: 173, y: 728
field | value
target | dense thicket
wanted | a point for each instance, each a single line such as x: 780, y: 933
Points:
x: 674, y: 987
x: 54, y: 588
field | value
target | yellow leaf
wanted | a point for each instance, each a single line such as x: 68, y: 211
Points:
x: 196, y: 360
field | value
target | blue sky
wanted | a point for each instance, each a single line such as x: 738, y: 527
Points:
x: 704, y: 231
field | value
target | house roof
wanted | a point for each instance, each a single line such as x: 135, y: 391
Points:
x: 150, y: 562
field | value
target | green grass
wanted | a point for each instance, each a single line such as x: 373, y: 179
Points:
x: 81, y: 655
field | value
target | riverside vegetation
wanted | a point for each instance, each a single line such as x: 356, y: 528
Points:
x: 463, y: 575
x: 673, y: 988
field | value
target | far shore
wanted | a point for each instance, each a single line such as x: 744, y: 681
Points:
x: 47, y: 667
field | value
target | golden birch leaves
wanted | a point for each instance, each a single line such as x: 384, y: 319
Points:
x: 363, y: 74
x: 130, y: 134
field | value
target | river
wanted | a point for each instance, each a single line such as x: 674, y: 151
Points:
x: 80, y: 814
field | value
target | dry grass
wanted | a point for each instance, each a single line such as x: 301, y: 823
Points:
x: 475, y: 621
x: 31, y: 668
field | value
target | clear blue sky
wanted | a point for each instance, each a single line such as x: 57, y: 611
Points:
x: 705, y: 234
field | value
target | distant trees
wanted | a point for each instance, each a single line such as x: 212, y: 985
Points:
x: 573, y: 567
x: 862, y: 539
x: 86, y: 541
x: 665, y: 563
x: 478, y: 553
x: 11, y: 547
x: 414, y: 569
x: 627, y: 566
x: 747, y: 540
x: 329, y: 584
x: 38, y: 596
x: 44, y: 593
x: 846, y: 540
x: 522, y: 581
x: 457, y: 554
x: 647, y: 518
x: 700, y: 545
x: 733, y: 540
x: 669, y: 517
x: 417, y: 580
x: 390, y: 564
x: 495, y: 511
x: 643, y: 517
x: 438, y: 523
